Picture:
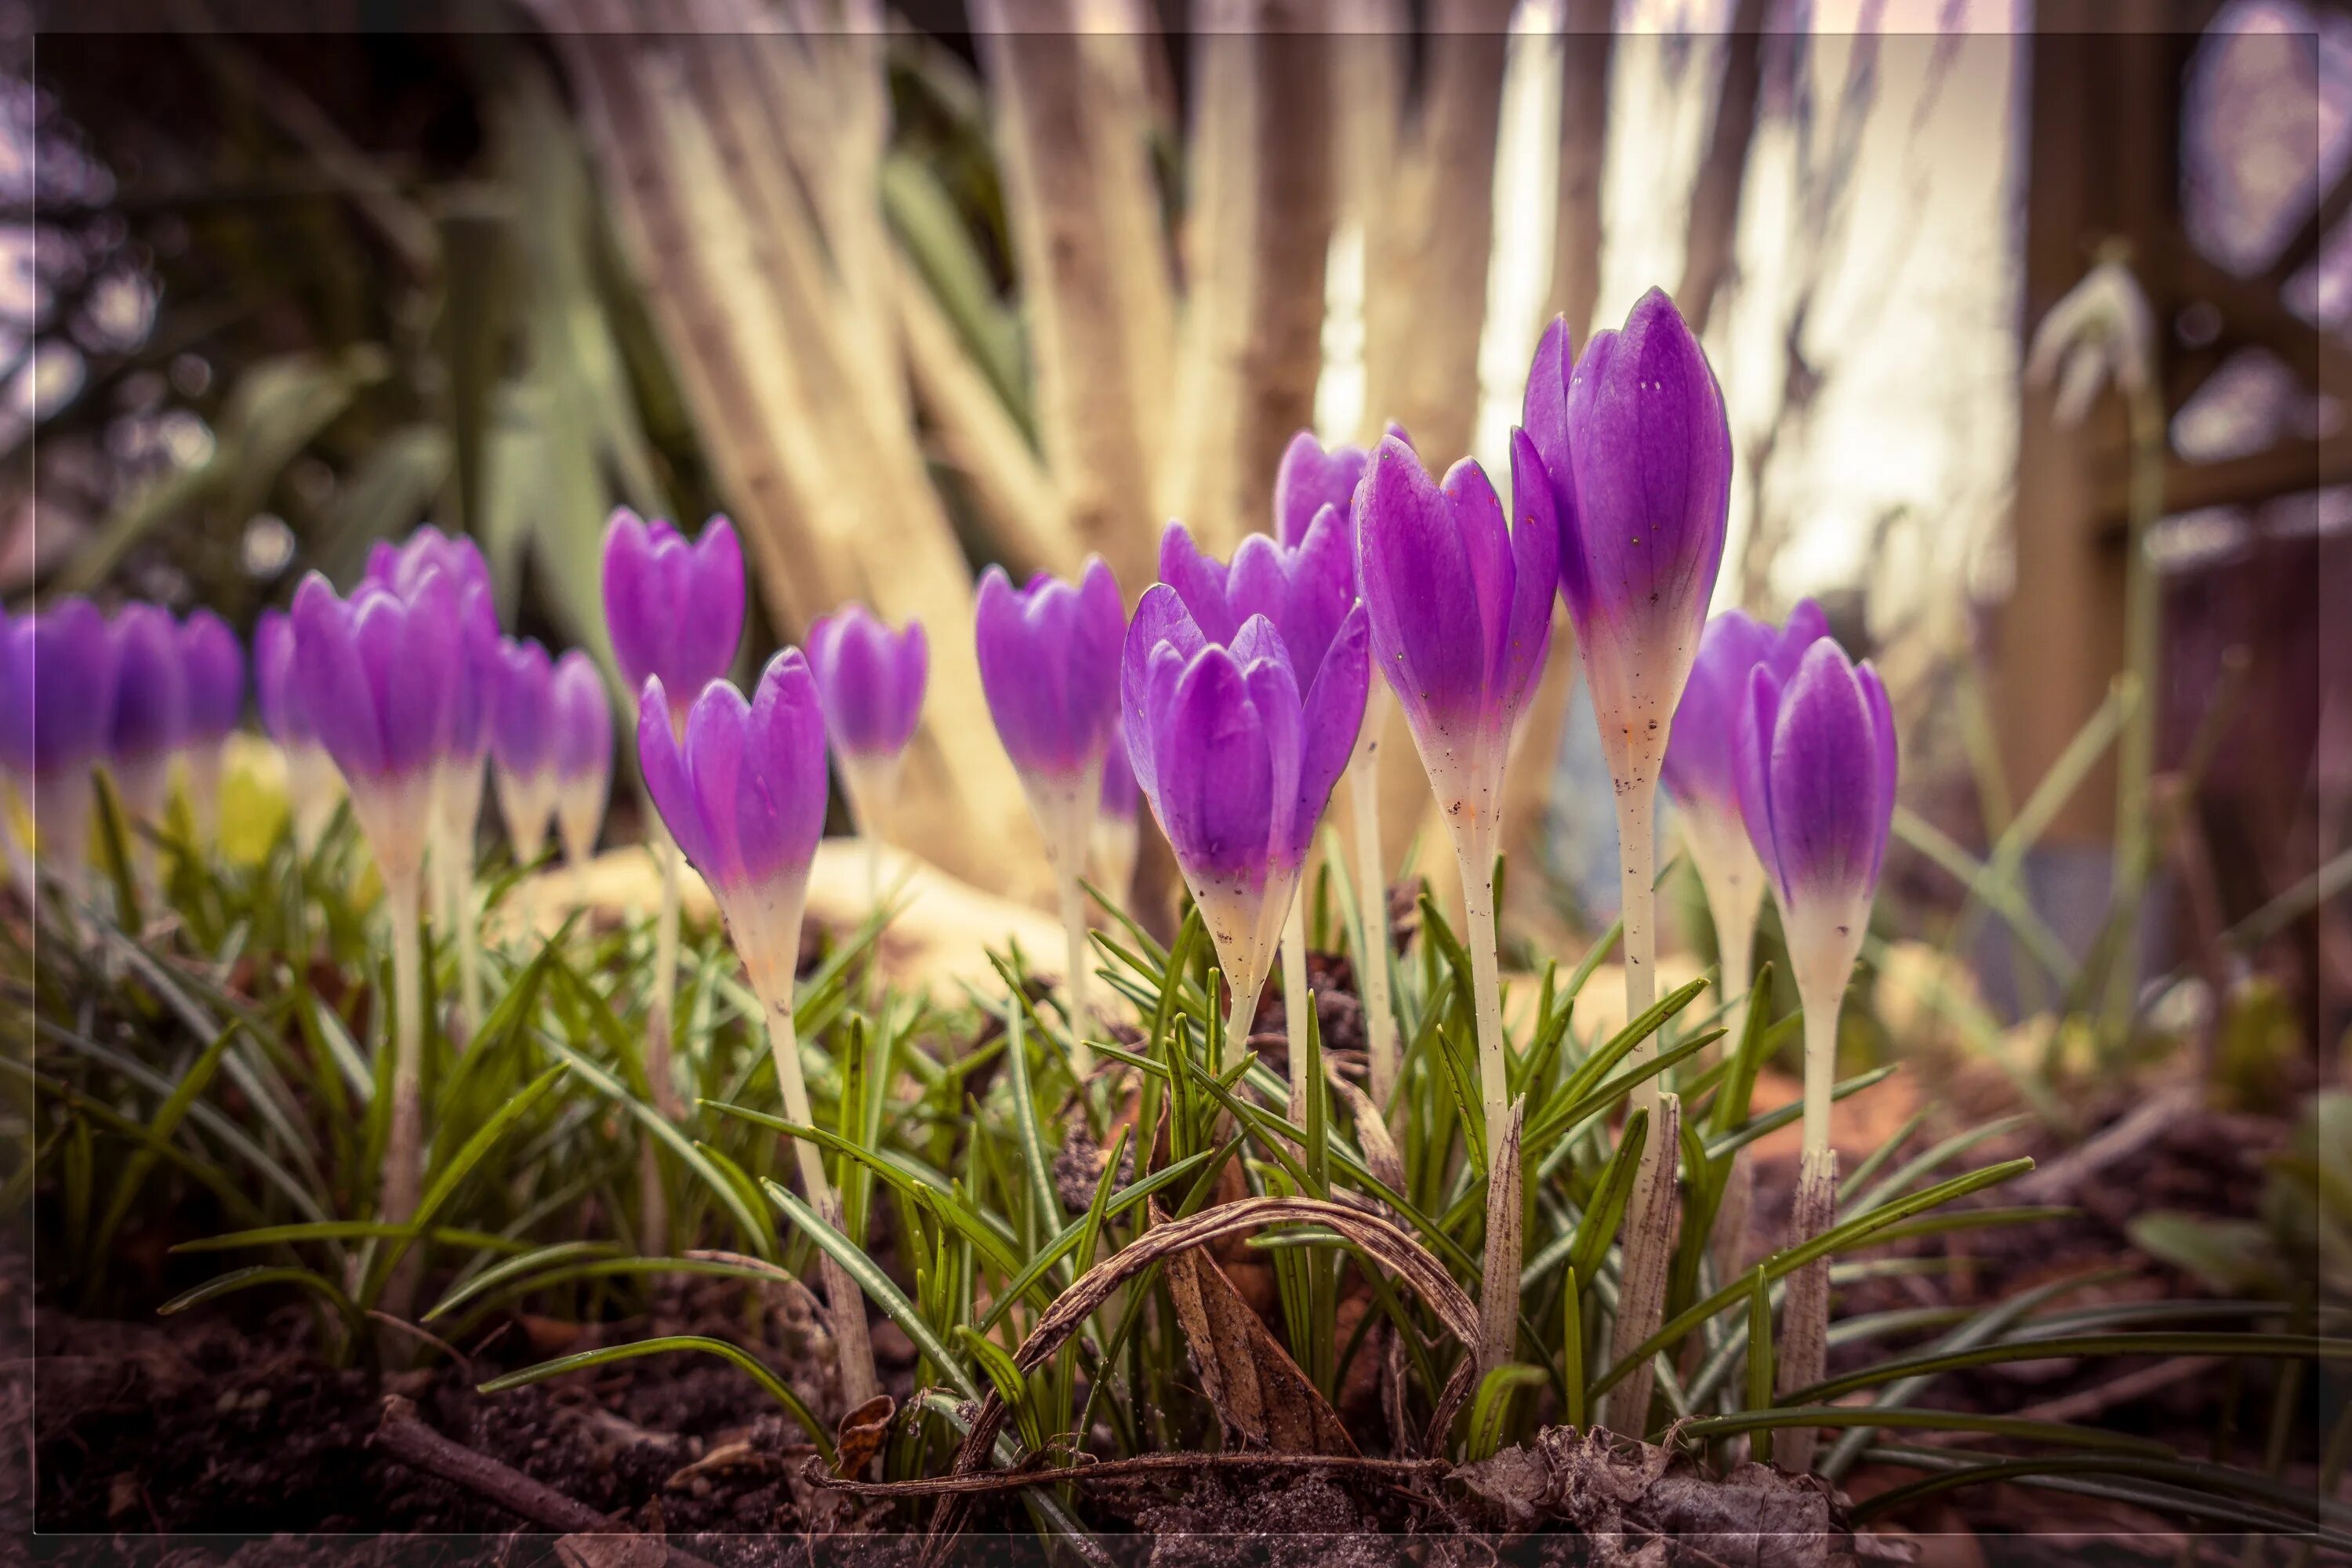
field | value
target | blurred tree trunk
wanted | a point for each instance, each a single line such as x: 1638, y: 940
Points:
x: 1587, y: 52
x: 1714, y: 230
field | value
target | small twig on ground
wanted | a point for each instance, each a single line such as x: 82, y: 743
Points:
x: 464, y: 1362
x: 1117, y: 1469
x: 408, y: 1439
x: 2055, y: 1182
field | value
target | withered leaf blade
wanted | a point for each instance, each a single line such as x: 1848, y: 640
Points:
x: 861, y: 1434
x: 1261, y: 1395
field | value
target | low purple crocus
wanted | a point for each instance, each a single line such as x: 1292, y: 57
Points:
x: 1461, y: 624
x: 1049, y: 667
x: 57, y: 706
x: 1305, y: 589
x: 1701, y: 771
x: 151, y: 710
x: 1816, y: 770
x: 870, y: 680
x: 522, y: 744
x: 675, y: 608
x: 1237, y: 749
x: 583, y: 754
x: 312, y: 785
x: 374, y: 675
x: 1311, y: 478
x: 212, y: 662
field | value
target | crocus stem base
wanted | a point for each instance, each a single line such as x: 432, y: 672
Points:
x: 403, y: 1152
x: 1648, y: 1249
x: 1805, y: 1310
x: 1637, y: 859
x: 845, y: 1305
x: 1499, y: 1289
x: 1372, y: 918
x: 1486, y: 982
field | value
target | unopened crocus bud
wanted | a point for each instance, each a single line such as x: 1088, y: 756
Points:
x: 522, y: 744
x: 1049, y: 657
x: 1701, y: 769
x: 1630, y: 450
x: 1816, y: 779
x: 1305, y: 590
x: 674, y: 609
x: 150, y: 711
x: 1310, y: 479
x: 1237, y: 754
x: 373, y: 677
x: 870, y: 680
x: 584, y: 753
x: 402, y: 567
x: 56, y: 706
x: 312, y: 785
x: 212, y: 662
x: 1460, y: 606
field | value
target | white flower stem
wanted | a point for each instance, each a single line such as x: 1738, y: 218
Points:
x: 403, y: 1152
x: 1372, y: 921
x: 1821, y: 1068
x: 1296, y: 1002
x: 1241, y: 1011
x: 1064, y: 810
x: 1805, y: 1310
x: 1735, y: 945
x: 1074, y: 935
x: 845, y: 1305
x: 1650, y: 1218
x: 1499, y: 1311
x: 1637, y: 858
x: 653, y: 1202
x: 466, y: 932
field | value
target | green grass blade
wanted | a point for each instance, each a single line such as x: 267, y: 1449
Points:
x: 759, y: 1371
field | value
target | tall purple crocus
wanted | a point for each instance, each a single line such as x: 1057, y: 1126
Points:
x: 374, y: 675
x: 741, y: 788
x: 213, y: 663
x: 1461, y: 623
x: 1311, y: 478
x: 522, y: 744
x: 56, y: 706
x: 674, y: 609
x: 151, y: 715
x: 584, y: 754
x: 1237, y: 750
x: 1816, y: 768
x: 312, y: 783
x: 870, y: 680
x: 1627, y: 452
x: 1700, y: 771
x: 1049, y: 657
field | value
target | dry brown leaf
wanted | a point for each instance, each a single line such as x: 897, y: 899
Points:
x: 1261, y: 1395
x: 862, y: 1434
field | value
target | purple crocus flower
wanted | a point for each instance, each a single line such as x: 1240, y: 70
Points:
x: 674, y: 609
x: 1461, y: 623
x: 870, y: 682
x: 583, y: 754
x: 1310, y: 479
x: 522, y: 743
x: 213, y: 663
x: 1049, y: 666
x: 151, y: 708
x: 1237, y: 752
x: 1701, y: 769
x: 742, y: 792
x: 1305, y: 590
x: 57, y: 705
x: 375, y: 676
x: 402, y: 567
x: 312, y: 783
x: 1816, y: 780
x: 1628, y: 451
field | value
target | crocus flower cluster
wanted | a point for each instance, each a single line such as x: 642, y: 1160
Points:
x: 57, y: 706
x: 551, y: 738
x: 674, y: 609
x: 211, y: 663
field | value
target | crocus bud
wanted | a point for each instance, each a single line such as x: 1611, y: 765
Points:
x: 674, y: 609
x: 1630, y: 453
x: 1237, y: 754
x: 1816, y: 779
x: 56, y: 706
x: 374, y: 676
x: 312, y: 785
x: 151, y: 708
x: 402, y: 567
x: 1310, y: 479
x: 743, y: 791
x: 584, y: 753
x: 1305, y: 589
x: 1049, y: 657
x: 870, y: 680
x: 522, y: 743
x: 1701, y: 767
x: 212, y: 662
x: 1460, y: 606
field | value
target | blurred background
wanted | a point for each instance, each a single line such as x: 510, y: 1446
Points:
x: 910, y: 289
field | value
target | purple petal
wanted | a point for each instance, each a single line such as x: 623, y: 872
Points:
x: 1419, y: 592
x: 273, y: 680
x: 1534, y: 581
x: 668, y: 781
x: 583, y: 719
x: 1333, y: 714
x: 1049, y: 665
x: 330, y: 686
x: 1273, y: 697
x: 1702, y: 749
x: 780, y: 803
x: 1215, y: 775
x: 214, y: 664
x: 1886, y: 763
x: 1543, y: 410
x: 1486, y: 544
x: 871, y: 679
x: 62, y: 681
x: 151, y: 700
x: 1310, y: 479
x: 1758, y: 720
x: 1824, y: 766
x: 717, y: 749
x: 1119, y: 792
x: 523, y: 716
x: 1201, y: 581
x: 1160, y: 619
